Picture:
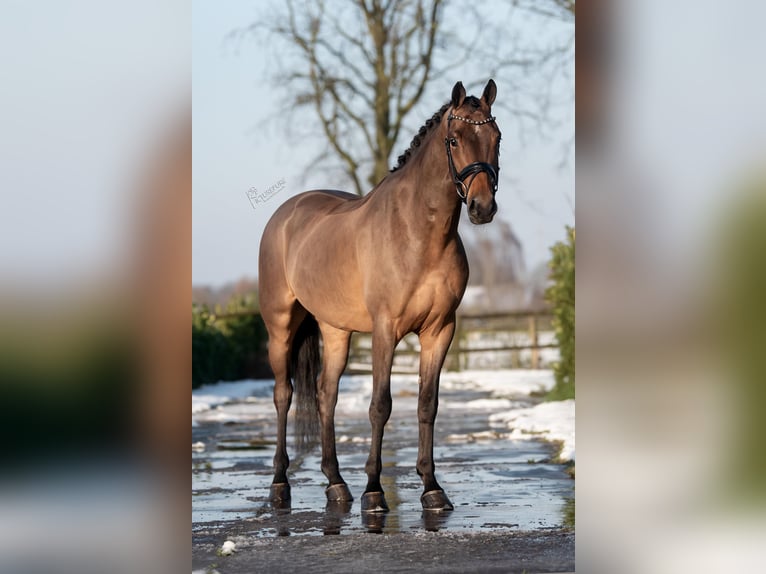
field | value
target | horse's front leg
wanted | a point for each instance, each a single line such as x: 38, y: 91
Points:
x: 383, y: 343
x: 434, y: 343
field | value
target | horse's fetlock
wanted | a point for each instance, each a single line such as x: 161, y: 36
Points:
x: 426, y: 416
x: 424, y: 465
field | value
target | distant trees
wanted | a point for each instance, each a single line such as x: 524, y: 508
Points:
x: 218, y: 298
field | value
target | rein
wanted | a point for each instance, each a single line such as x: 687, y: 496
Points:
x: 472, y: 169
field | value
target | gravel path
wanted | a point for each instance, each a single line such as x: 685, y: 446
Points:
x: 514, y: 508
x: 441, y: 552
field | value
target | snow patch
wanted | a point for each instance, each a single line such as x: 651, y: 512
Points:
x: 208, y: 397
x: 474, y: 436
x: 482, y: 404
x: 354, y: 439
x: 553, y: 421
x: 501, y: 383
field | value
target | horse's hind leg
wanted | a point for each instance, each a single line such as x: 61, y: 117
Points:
x: 282, y: 327
x: 334, y: 361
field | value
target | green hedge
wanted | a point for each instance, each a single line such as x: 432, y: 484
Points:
x: 561, y: 295
x: 228, y: 348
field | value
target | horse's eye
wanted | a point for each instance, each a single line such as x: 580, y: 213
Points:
x: 453, y: 142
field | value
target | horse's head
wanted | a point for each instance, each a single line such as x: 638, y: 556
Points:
x: 473, y: 144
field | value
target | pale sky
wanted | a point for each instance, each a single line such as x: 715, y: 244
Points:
x: 84, y: 102
x: 236, y: 148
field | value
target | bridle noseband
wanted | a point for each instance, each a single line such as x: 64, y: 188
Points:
x: 472, y: 169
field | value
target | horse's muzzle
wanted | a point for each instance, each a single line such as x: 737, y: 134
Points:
x: 480, y: 214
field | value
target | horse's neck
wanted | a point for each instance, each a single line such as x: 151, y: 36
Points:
x: 428, y: 195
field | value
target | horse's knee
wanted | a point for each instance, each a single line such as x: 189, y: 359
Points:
x: 329, y: 465
x: 373, y: 466
x: 428, y: 404
x: 427, y: 413
x: 424, y: 465
x: 380, y: 408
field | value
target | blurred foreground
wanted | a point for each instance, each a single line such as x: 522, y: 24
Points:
x: 94, y: 286
x: 670, y: 311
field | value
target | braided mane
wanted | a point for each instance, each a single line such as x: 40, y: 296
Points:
x: 418, y: 139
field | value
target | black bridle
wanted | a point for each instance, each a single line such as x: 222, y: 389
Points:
x: 472, y: 169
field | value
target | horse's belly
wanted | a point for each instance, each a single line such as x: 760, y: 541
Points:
x: 341, y: 312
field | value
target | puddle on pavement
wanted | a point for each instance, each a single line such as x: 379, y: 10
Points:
x: 494, y: 483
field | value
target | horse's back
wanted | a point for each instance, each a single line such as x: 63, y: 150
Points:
x: 318, y: 201
x: 309, y: 204
x: 298, y: 212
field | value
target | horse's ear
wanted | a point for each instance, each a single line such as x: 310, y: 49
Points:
x: 490, y: 92
x: 458, y: 95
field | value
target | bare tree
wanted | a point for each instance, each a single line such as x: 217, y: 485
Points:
x: 362, y: 66
x: 561, y: 9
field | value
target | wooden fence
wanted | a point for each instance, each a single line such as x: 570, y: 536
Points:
x: 486, y: 340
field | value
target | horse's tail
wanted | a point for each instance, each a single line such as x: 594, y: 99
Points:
x: 305, y: 361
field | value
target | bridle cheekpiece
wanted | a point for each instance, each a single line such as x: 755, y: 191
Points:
x: 472, y: 169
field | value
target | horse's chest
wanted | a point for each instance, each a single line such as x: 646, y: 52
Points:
x: 438, y: 293
x: 414, y: 290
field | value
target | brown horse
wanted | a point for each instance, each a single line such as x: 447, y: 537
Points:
x: 389, y: 263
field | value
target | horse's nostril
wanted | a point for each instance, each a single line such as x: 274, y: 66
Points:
x: 472, y: 205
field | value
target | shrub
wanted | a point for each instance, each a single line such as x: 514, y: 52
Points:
x: 228, y: 348
x: 211, y: 354
x: 247, y: 337
x: 561, y: 295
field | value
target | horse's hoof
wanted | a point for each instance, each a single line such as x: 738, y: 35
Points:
x: 374, y: 502
x: 436, y: 500
x: 338, y: 493
x: 281, y: 506
x: 374, y: 522
x: 279, y: 492
x: 338, y: 507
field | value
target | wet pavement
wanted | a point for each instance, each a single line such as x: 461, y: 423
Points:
x: 497, y: 484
